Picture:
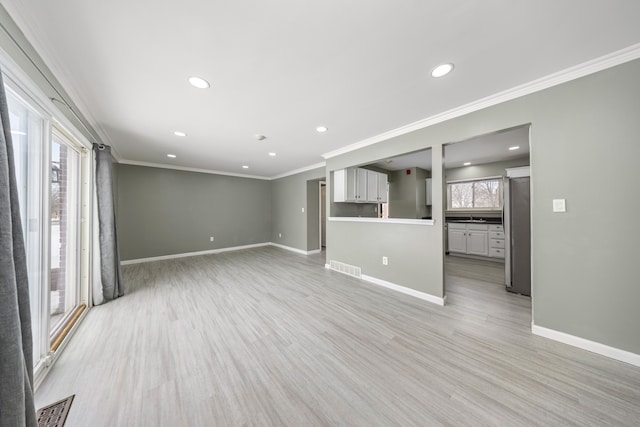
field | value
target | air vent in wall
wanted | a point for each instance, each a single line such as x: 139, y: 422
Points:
x: 350, y: 270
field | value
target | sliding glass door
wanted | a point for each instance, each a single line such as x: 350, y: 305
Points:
x: 50, y: 167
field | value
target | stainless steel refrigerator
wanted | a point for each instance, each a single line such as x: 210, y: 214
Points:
x: 517, y: 228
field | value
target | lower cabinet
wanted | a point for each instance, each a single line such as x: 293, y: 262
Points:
x: 471, y: 239
x: 457, y: 239
x: 496, y: 241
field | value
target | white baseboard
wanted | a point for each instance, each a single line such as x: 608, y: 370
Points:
x: 296, y: 250
x: 188, y: 254
x: 592, y: 346
x: 405, y: 290
x: 217, y: 251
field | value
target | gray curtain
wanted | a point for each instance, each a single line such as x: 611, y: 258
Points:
x: 16, y: 352
x: 108, y: 285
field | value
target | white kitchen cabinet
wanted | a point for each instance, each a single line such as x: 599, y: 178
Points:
x: 470, y: 239
x: 478, y: 242
x: 429, y: 192
x: 383, y: 195
x: 372, y: 187
x: 350, y: 185
x: 457, y: 237
x: 376, y: 187
x: 359, y: 185
x: 496, y: 241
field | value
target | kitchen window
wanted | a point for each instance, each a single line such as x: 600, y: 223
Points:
x: 475, y: 195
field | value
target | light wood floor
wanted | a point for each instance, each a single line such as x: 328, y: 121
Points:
x: 266, y: 337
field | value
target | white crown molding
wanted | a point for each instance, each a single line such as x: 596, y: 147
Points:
x: 215, y: 172
x: 300, y: 170
x: 602, y: 63
x: 592, y: 346
x: 187, y: 169
x: 408, y: 291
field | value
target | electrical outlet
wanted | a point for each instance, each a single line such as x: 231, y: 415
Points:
x: 302, y: 210
x: 211, y: 239
x: 385, y: 260
x: 280, y: 235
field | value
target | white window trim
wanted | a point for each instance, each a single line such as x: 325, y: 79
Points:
x: 475, y: 209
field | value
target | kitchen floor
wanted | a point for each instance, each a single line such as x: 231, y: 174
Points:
x: 476, y: 269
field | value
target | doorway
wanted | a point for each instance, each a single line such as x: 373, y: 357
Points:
x: 323, y: 215
x: 477, y: 249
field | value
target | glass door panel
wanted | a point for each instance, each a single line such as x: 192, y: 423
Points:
x: 27, y: 133
x: 64, y: 225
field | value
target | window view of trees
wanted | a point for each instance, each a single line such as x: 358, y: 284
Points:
x: 481, y: 194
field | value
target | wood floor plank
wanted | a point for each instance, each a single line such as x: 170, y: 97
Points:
x: 265, y: 337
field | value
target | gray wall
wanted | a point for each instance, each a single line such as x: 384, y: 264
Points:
x: 164, y: 212
x: 584, y: 148
x: 288, y: 197
x: 407, y: 194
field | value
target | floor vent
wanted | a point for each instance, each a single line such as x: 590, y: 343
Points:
x: 350, y: 270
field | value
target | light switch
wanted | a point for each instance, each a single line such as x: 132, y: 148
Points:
x: 302, y: 210
x: 559, y: 205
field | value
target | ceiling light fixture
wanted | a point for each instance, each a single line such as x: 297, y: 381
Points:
x: 199, y: 82
x: 245, y: 167
x: 173, y: 156
x: 442, y: 70
x: 515, y: 147
x: 466, y: 164
x: 322, y: 129
x: 178, y: 133
x: 272, y: 154
x: 260, y: 137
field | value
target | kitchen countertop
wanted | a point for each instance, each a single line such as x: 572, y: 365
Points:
x: 466, y: 220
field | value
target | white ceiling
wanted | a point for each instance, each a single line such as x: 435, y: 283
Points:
x: 282, y: 68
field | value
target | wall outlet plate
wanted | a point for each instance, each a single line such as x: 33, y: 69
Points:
x: 385, y: 260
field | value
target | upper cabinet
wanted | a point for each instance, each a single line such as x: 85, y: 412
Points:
x: 359, y: 185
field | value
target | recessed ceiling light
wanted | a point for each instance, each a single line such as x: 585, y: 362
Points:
x: 199, y: 82
x: 442, y: 70
x: 272, y: 154
x: 322, y: 129
x: 260, y: 137
x: 515, y: 147
x: 466, y: 164
x: 388, y: 161
x: 245, y: 167
x: 173, y: 156
x: 178, y: 133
